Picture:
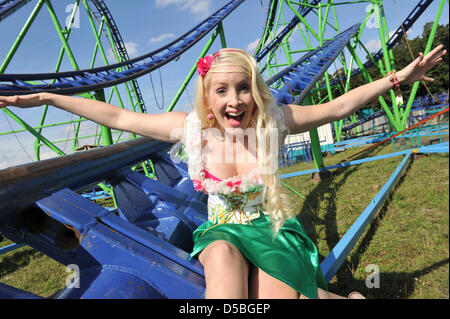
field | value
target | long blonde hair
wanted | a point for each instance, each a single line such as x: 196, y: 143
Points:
x: 275, y: 197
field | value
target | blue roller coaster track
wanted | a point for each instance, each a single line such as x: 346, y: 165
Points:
x: 8, y: 7
x: 97, y: 78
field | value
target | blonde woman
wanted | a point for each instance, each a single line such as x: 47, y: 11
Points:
x: 252, y: 245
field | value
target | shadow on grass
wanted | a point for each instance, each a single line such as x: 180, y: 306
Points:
x: 309, y: 218
x: 17, y: 260
x: 398, y: 285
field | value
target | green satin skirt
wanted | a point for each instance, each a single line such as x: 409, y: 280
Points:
x: 290, y: 257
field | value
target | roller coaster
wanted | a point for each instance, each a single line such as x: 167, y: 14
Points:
x: 139, y: 248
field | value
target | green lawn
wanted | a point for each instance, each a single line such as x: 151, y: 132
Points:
x: 407, y: 239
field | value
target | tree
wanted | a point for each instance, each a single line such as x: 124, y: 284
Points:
x: 402, y: 56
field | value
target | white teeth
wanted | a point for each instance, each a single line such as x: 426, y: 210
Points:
x: 235, y: 114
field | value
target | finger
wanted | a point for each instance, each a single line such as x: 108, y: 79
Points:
x: 429, y: 57
x: 417, y: 61
x: 428, y: 79
x: 2, y: 105
x: 421, y: 59
x: 436, y: 49
x: 437, y: 55
x: 436, y: 61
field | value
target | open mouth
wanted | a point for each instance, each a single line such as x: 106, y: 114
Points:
x: 235, y: 116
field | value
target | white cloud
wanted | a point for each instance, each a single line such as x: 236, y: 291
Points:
x: 132, y: 49
x: 251, y: 47
x: 201, y: 9
x: 12, y: 154
x: 162, y: 37
x: 374, y: 45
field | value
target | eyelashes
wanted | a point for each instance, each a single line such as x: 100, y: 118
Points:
x: 221, y: 91
x: 243, y: 88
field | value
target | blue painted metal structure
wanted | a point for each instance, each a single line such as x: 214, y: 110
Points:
x: 8, y: 7
x: 295, y: 152
x: 293, y: 83
x: 7, y: 249
x: 420, y: 103
x: 103, y: 11
x: 141, y: 253
x: 337, y: 256
x: 438, y: 148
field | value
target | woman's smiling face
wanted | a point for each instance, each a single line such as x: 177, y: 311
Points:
x: 230, y: 98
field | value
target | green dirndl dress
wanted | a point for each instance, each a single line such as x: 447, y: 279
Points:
x: 290, y: 256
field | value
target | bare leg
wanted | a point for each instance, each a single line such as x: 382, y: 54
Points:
x: 264, y: 286
x: 323, y: 294
x: 226, y: 271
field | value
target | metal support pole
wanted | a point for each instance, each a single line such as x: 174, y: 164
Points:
x: 105, y: 131
x: 192, y: 71
x: 427, y: 49
x: 61, y: 35
x: 20, y: 37
x: 315, y: 142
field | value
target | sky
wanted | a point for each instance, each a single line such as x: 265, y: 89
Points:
x: 146, y: 25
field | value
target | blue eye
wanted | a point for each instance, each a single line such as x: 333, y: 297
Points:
x: 221, y: 91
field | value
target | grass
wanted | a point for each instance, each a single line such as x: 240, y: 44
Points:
x: 407, y: 239
x: 30, y: 270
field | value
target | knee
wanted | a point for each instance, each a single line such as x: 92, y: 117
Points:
x: 221, y: 254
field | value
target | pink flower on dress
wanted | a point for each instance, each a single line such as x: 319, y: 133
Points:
x: 199, y: 186
x: 234, y: 185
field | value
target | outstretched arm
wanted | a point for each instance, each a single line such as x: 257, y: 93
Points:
x: 157, y: 126
x: 304, y: 118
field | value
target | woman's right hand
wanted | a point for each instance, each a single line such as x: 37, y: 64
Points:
x: 23, y: 101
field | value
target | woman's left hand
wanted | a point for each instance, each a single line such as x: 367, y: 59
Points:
x: 416, y: 70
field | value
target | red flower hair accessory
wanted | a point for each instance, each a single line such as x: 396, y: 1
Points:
x: 203, y: 64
